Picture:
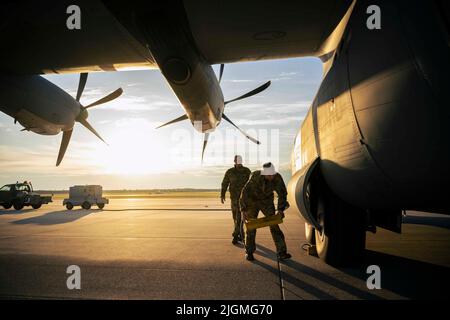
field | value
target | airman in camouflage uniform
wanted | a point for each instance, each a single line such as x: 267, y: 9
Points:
x: 234, y: 180
x: 258, y: 195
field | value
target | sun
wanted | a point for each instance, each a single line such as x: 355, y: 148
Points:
x: 134, y: 149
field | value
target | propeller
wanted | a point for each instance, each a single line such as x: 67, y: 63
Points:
x: 183, y: 117
x: 244, y: 96
x: 222, y: 66
x: 83, y: 115
x: 205, y: 142
x: 250, y: 93
x: 240, y: 130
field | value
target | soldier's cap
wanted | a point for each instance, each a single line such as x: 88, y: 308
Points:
x: 268, y: 169
x: 238, y: 159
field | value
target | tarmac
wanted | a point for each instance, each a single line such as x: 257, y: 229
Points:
x: 157, y: 248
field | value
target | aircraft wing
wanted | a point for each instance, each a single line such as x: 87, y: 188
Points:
x: 35, y: 39
x: 236, y: 30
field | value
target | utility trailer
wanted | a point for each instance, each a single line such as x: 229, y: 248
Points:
x: 85, y: 196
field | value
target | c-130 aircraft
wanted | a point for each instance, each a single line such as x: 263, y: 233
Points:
x: 374, y: 142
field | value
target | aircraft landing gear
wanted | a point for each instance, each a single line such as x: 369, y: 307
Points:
x: 342, y: 238
x: 310, y: 234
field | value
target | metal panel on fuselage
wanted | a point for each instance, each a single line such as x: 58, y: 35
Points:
x: 346, y: 163
x: 397, y: 87
x: 305, y: 149
x: 381, y: 122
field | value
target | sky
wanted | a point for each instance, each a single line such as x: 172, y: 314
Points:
x: 138, y: 156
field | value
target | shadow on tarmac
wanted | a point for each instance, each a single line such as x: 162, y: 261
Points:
x: 303, y: 269
x: 166, y: 209
x: 67, y: 216
x: 441, y: 222
x: 23, y: 211
x: 408, y: 278
x: 57, y: 217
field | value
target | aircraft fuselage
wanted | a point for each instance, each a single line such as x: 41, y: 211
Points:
x: 379, y: 122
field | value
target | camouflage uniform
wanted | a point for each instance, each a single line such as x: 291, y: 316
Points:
x: 258, y: 195
x: 235, y: 179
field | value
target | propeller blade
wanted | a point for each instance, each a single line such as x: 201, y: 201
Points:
x: 81, y: 84
x: 222, y: 66
x: 90, y: 128
x: 240, y: 130
x: 205, y: 142
x: 64, y: 143
x: 183, y: 117
x: 251, y: 93
x: 113, y: 95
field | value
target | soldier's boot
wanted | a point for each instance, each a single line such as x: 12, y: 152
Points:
x: 284, y: 255
x: 249, y: 257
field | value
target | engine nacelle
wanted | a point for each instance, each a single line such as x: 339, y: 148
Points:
x: 37, y: 104
x: 299, y: 195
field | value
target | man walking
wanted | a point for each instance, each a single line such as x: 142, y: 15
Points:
x: 257, y: 195
x: 234, y: 180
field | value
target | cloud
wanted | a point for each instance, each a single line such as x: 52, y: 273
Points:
x: 287, y: 74
x: 280, y: 79
x: 135, y: 104
x: 5, y: 128
x: 273, y: 111
x: 136, y: 84
x: 268, y: 122
x: 239, y: 80
x: 140, y: 122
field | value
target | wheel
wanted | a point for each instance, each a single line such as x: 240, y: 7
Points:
x: 100, y: 205
x: 7, y: 205
x: 312, y: 204
x: 69, y: 206
x: 310, y: 233
x: 18, y: 205
x: 36, y: 206
x: 342, y: 238
x: 86, y: 205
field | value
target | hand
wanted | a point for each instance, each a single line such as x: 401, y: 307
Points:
x: 222, y: 199
x: 281, y: 213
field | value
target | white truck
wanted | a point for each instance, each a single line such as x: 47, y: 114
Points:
x: 85, y: 196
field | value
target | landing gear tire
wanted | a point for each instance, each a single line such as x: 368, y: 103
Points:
x: 312, y: 204
x: 100, y: 205
x: 342, y: 238
x: 36, y: 206
x: 69, y: 206
x: 7, y: 206
x: 310, y: 233
x: 18, y: 205
x: 86, y: 205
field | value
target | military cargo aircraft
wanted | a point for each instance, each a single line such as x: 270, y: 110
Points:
x: 375, y: 140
